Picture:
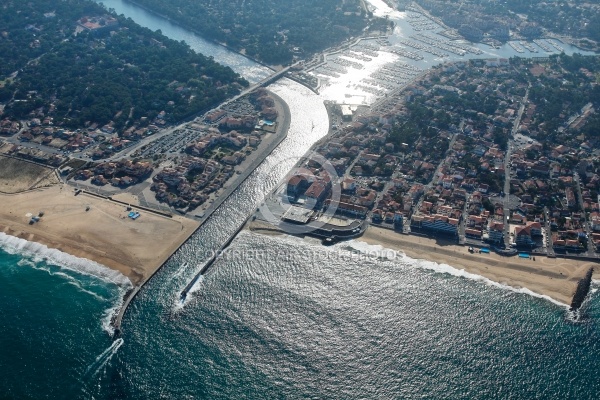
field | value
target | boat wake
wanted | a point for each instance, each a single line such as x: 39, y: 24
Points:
x: 180, y: 270
x: 94, y: 368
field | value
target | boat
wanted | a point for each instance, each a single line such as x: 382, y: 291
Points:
x: 329, y: 241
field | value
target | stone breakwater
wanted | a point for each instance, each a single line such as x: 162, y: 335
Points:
x: 583, y: 288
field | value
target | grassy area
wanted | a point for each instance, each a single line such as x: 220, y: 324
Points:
x: 17, y: 175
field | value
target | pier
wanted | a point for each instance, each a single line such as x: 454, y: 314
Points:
x: 212, y: 260
x: 117, y: 321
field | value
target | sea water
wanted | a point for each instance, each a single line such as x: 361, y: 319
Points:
x: 279, y: 317
x: 55, y: 313
x: 284, y: 318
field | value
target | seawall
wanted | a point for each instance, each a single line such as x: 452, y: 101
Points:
x: 129, y: 297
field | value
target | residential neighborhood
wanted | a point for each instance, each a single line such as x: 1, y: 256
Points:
x: 480, y: 152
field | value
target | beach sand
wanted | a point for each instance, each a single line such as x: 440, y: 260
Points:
x: 553, y: 277
x: 103, y: 234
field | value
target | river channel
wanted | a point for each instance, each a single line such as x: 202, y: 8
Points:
x: 285, y: 325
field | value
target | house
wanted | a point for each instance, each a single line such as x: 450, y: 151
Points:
x: 518, y: 218
x: 297, y: 184
x: 318, y: 190
x: 348, y: 185
x: 351, y: 209
x: 595, y: 222
x: 535, y: 228
x: 473, y: 233
x: 523, y: 237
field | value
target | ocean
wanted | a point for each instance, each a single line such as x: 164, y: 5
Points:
x: 279, y: 317
x: 55, y: 312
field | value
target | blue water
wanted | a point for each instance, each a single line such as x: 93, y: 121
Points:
x: 52, y: 328
x: 283, y: 318
x: 276, y: 326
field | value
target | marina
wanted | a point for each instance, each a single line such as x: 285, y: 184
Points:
x: 281, y: 317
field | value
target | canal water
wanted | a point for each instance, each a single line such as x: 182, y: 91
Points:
x: 249, y: 69
x: 281, y: 317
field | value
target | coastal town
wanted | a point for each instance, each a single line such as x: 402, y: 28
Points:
x: 476, y: 152
x: 462, y: 150
x: 185, y: 167
x: 482, y: 152
x: 300, y: 198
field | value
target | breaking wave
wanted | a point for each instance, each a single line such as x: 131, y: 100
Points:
x: 446, y: 269
x: 41, y: 253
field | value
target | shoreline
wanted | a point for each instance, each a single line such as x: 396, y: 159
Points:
x: 554, y: 278
x: 65, y: 227
x: 141, y: 251
x: 281, y: 132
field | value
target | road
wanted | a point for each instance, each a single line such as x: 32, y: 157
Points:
x: 507, y: 168
x: 586, y: 225
x: 127, y: 152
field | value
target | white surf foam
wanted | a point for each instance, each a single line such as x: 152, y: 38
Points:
x: 38, y: 252
x: 371, y: 251
x: 180, y: 304
x: 448, y: 269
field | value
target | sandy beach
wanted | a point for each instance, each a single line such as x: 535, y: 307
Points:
x: 553, y: 277
x: 103, y: 234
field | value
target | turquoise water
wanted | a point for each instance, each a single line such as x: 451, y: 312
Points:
x: 53, y: 326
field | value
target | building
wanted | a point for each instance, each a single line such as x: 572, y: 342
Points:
x: 523, y: 237
x: 437, y: 224
x: 346, y: 112
x: 317, y: 191
x: 496, y: 232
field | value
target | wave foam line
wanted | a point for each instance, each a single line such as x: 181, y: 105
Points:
x: 448, y: 269
x: 111, y: 312
x: 39, y: 252
x: 179, y: 304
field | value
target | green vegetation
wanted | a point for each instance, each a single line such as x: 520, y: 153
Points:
x: 422, y: 122
x: 579, y: 19
x: 557, y: 99
x: 123, y: 73
x: 575, y: 18
x: 269, y: 30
